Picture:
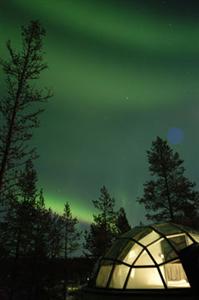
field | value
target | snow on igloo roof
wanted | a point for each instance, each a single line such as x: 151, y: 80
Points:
x: 147, y: 257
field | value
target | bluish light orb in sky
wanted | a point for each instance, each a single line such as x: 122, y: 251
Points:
x: 175, y: 135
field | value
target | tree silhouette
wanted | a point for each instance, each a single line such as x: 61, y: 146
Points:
x: 122, y: 223
x: 20, y: 221
x: 27, y: 180
x: 71, y: 238
x: 19, y: 110
x: 169, y: 196
x: 27, y: 237
x: 103, y: 229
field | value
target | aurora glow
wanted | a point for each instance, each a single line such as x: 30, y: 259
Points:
x: 122, y: 72
x: 77, y: 207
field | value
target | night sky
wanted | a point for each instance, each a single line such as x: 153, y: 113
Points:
x: 122, y: 72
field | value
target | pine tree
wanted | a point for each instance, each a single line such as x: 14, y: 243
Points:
x: 19, y: 224
x: 122, y: 223
x: 27, y: 181
x: 19, y: 110
x: 30, y: 235
x: 169, y: 196
x: 55, y: 235
x: 70, y: 232
x: 26, y: 226
x: 71, y: 239
x: 103, y: 229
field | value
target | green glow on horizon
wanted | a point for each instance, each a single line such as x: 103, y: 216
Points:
x: 78, y: 210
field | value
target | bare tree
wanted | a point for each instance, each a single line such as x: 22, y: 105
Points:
x: 19, y: 110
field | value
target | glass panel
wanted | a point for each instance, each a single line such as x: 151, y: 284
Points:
x: 167, y: 251
x: 131, y: 233
x: 119, y: 276
x: 117, y: 248
x: 145, y: 278
x: 195, y: 236
x: 167, y: 229
x: 103, y: 275
x: 175, y: 275
x: 156, y: 251
x: 132, y: 254
x: 188, y: 229
x: 125, y: 252
x: 162, y: 270
x: 188, y: 240
x: 106, y: 262
x: 136, y: 231
x: 178, y: 241
x: 143, y: 233
x: 144, y: 260
x: 151, y: 237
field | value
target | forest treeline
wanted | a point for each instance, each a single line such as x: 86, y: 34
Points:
x: 37, y: 245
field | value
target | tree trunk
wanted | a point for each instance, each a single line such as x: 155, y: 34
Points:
x: 14, y: 269
x: 21, y: 79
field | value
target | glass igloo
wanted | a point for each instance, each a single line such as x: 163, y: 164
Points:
x: 146, y: 258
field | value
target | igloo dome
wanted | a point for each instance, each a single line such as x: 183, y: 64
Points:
x: 146, y: 258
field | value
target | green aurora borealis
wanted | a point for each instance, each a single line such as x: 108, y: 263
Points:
x: 122, y: 72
